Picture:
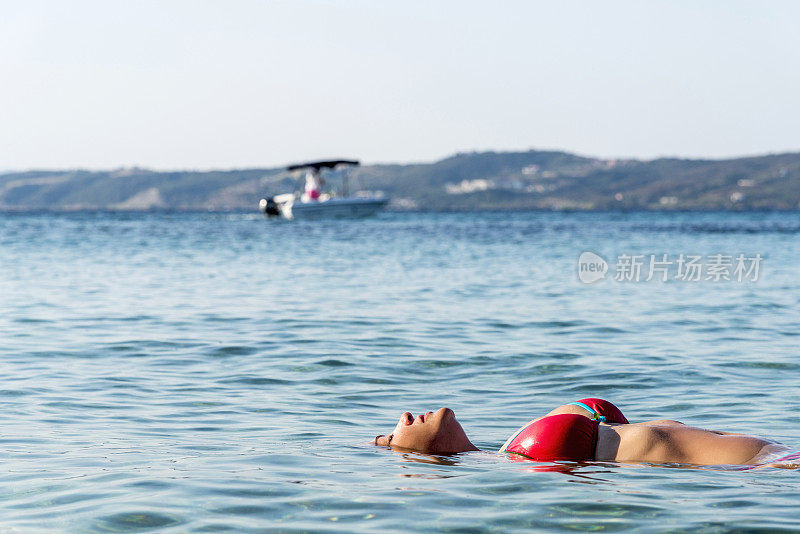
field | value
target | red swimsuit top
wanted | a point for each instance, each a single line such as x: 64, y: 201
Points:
x: 564, y: 436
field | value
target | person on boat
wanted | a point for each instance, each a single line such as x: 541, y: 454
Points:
x: 594, y: 429
x: 313, y: 184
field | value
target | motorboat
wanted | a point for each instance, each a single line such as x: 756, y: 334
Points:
x: 313, y: 203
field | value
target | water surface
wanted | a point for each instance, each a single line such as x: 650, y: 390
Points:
x: 206, y: 372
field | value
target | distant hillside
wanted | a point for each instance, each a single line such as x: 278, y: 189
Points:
x: 482, y: 180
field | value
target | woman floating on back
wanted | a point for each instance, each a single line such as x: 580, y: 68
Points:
x: 595, y: 429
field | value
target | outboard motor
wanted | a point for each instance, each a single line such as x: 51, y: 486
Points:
x: 269, y: 207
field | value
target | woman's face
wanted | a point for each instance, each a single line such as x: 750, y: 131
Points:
x: 431, y: 432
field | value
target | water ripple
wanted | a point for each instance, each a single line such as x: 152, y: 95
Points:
x: 178, y: 372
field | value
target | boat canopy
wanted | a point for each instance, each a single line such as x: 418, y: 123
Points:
x: 317, y: 165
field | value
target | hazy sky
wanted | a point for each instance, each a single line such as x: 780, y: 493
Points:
x: 194, y: 84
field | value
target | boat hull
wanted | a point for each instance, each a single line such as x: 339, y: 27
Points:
x: 333, y: 208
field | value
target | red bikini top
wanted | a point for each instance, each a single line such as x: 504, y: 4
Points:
x: 564, y: 436
x: 558, y: 437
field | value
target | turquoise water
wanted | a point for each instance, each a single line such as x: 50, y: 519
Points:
x: 205, y: 372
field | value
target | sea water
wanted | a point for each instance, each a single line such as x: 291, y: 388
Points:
x: 222, y: 372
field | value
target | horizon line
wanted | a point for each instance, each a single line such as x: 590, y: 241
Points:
x: 9, y: 170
